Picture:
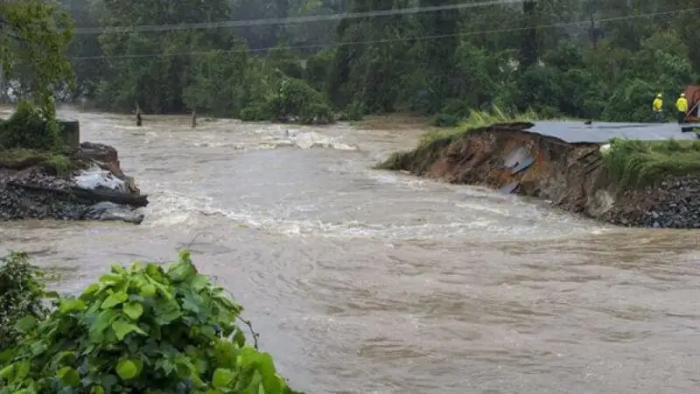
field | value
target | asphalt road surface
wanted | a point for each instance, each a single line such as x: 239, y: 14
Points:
x: 600, y: 132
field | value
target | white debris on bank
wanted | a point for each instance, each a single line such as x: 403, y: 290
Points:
x: 605, y: 149
x: 96, y: 177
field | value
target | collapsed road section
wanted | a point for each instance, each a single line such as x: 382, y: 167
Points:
x: 648, y: 176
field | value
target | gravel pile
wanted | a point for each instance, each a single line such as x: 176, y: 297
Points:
x: 674, y: 203
x: 18, y: 203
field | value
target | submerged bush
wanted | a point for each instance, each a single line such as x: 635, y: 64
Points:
x: 144, y: 329
x: 296, y: 99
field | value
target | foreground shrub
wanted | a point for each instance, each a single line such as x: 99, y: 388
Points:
x: 140, y: 330
x: 21, y: 294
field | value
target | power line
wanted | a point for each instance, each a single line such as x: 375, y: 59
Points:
x: 393, y: 40
x: 289, y: 20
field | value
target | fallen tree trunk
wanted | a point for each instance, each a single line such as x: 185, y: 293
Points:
x: 91, y: 196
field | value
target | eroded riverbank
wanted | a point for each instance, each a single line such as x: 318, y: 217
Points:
x: 369, y: 281
x: 571, y: 175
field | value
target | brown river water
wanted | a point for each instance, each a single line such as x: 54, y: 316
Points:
x: 364, y: 281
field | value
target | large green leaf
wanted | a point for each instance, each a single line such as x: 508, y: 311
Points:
x: 68, y: 305
x: 180, y: 272
x: 101, y: 323
x: 92, y: 289
x: 68, y: 376
x: 134, y: 310
x: 26, y: 324
x: 222, y: 378
x: 7, y: 372
x: 114, y: 300
x: 167, y: 313
x: 123, y: 328
x: 271, y: 380
x: 127, y: 369
x: 148, y: 290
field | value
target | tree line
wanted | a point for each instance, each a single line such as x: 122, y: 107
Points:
x: 592, y: 59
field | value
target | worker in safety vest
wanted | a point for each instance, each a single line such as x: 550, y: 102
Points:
x: 658, y: 107
x: 682, y: 107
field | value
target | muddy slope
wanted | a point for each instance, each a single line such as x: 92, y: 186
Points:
x: 572, y: 176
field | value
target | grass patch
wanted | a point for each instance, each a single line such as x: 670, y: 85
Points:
x: 477, y: 119
x: 19, y: 159
x: 60, y: 163
x: 633, y: 163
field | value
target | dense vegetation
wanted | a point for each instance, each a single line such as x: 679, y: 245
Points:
x: 144, y: 329
x: 28, y: 139
x: 34, y: 36
x: 564, y: 58
x: 637, y: 163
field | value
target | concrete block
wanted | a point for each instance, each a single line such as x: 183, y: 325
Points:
x: 70, y: 132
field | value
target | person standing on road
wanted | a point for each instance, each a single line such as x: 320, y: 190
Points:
x: 682, y: 107
x: 658, y: 107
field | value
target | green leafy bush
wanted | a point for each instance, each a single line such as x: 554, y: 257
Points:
x: 317, y: 112
x: 296, y: 98
x: 355, y: 111
x: 21, y: 294
x: 27, y: 129
x: 144, y: 329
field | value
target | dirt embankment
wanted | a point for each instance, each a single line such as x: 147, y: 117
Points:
x: 86, y: 185
x: 573, y: 177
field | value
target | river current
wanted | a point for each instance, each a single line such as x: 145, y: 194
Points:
x: 366, y: 281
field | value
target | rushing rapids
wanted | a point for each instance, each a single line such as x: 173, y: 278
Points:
x: 370, y: 281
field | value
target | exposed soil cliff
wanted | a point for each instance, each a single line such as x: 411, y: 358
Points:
x: 572, y: 176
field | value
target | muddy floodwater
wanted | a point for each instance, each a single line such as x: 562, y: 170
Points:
x: 364, y: 281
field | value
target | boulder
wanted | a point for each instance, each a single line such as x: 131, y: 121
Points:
x: 109, y: 211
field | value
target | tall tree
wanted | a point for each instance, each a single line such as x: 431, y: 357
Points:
x: 34, y: 36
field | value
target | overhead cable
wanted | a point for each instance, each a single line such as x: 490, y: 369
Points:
x: 400, y: 39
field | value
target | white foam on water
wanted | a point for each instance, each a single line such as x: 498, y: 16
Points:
x: 484, y: 208
x: 174, y: 219
x: 173, y: 209
x: 283, y: 137
x: 393, y: 178
x: 141, y: 129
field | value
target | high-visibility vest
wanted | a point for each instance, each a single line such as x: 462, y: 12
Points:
x: 682, y: 105
x: 658, y: 103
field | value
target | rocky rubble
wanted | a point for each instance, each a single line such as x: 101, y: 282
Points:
x: 674, y: 203
x: 35, y: 193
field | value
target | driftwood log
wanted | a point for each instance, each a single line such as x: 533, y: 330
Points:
x: 91, y: 196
